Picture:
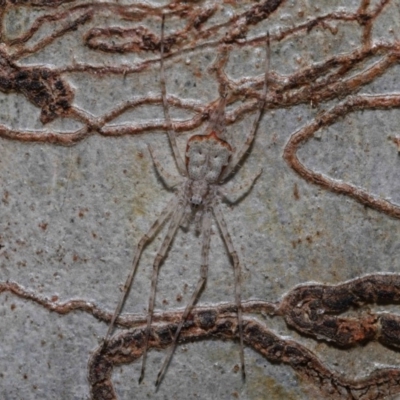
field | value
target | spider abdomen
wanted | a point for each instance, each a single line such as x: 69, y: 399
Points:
x: 206, y: 157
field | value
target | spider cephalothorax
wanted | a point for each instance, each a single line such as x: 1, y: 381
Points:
x: 198, y: 191
x: 197, y: 199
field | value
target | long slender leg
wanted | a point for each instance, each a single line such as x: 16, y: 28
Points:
x: 236, y: 268
x: 166, y: 212
x: 169, y: 180
x: 249, y: 140
x: 200, y: 285
x: 175, y: 221
x: 171, y: 133
x: 232, y: 195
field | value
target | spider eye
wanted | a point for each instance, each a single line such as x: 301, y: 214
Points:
x: 196, y: 201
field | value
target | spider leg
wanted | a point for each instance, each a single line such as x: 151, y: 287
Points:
x: 199, y: 287
x: 165, y: 213
x: 169, y: 180
x: 171, y: 133
x: 236, y: 268
x: 234, y: 194
x: 236, y: 158
x: 174, y: 225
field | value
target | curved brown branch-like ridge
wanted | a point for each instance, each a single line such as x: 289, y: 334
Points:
x: 212, y: 325
x: 335, y: 77
x: 314, y: 310
x: 311, y: 309
x: 352, y: 104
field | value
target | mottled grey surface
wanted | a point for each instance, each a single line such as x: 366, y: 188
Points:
x: 69, y: 219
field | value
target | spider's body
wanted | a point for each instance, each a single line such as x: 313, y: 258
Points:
x: 206, y: 158
x: 208, y: 162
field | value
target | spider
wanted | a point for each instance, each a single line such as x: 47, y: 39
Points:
x: 209, y: 161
